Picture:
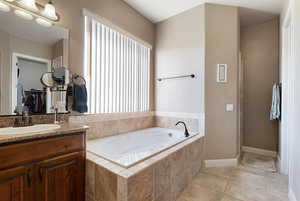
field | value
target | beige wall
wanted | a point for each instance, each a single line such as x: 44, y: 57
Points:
x: 5, y: 60
x: 116, y: 11
x: 260, y: 53
x: 180, y: 51
x: 222, y: 47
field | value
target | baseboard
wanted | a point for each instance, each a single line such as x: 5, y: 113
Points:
x: 278, y: 163
x: 292, y: 196
x: 231, y: 162
x: 259, y: 151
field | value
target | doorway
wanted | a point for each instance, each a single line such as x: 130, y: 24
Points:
x: 27, y: 71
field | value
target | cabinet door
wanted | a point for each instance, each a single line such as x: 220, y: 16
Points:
x: 16, y: 184
x: 62, y: 178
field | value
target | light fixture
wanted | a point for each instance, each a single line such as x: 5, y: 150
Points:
x: 43, y: 22
x: 4, y: 7
x: 29, y: 9
x: 49, y: 11
x: 23, y: 15
x: 29, y: 4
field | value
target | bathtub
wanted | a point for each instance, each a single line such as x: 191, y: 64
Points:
x: 128, y: 149
x: 151, y: 165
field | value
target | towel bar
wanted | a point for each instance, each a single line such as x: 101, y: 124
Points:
x: 176, y: 77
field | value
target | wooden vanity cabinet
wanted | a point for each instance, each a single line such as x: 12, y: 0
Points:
x: 44, y: 175
x: 15, y: 184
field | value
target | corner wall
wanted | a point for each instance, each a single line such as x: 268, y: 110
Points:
x: 180, y: 51
x: 222, y: 47
x: 196, y: 41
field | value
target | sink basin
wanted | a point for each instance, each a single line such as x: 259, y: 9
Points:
x: 29, y: 129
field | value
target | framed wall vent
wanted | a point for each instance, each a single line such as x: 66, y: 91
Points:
x: 222, y: 73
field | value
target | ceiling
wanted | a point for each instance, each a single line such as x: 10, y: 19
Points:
x: 159, y: 10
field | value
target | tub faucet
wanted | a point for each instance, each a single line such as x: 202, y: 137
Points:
x: 186, y: 132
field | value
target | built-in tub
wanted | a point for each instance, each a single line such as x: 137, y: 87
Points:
x: 154, y: 164
x: 129, y: 149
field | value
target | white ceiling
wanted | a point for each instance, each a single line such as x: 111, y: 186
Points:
x: 159, y: 10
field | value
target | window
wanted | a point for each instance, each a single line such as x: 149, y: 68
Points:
x: 117, y: 70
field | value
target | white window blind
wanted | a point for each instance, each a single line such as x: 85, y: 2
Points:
x: 117, y: 70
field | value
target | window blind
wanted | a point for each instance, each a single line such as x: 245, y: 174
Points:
x: 118, y: 69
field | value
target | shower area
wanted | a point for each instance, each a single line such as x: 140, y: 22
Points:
x: 259, y: 72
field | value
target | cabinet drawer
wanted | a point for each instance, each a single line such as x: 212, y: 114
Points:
x: 27, y: 152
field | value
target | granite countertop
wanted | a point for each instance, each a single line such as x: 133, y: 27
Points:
x: 66, y: 128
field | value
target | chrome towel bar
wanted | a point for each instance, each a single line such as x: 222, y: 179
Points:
x: 175, y: 77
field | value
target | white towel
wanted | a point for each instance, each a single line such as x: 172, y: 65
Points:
x: 276, y: 101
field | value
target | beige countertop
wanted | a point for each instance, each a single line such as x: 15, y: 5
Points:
x: 66, y: 128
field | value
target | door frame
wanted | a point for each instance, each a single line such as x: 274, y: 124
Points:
x: 288, y: 84
x: 14, y: 78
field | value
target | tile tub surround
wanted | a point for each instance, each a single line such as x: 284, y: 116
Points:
x: 105, y: 125
x: 169, y: 122
x: 160, y: 178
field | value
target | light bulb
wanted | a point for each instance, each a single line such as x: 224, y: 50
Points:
x: 49, y: 11
x: 4, y: 7
x: 23, y: 15
x: 29, y: 4
x: 43, y: 22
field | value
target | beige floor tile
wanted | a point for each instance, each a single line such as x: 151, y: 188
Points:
x: 198, y: 193
x: 245, y: 192
x: 229, y: 198
x: 224, y: 172
x: 212, y: 182
x: 241, y: 177
x: 265, y: 163
x: 236, y: 184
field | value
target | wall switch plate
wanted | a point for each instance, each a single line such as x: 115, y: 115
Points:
x: 229, y: 108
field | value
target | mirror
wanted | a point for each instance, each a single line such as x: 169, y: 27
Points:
x: 28, y: 51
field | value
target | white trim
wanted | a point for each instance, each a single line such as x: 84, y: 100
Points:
x: 259, y: 151
x: 288, y: 68
x: 292, y: 196
x: 180, y: 114
x: 106, y: 22
x: 232, y: 162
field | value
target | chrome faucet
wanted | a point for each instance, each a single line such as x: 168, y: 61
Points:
x: 186, y: 132
x: 56, y: 121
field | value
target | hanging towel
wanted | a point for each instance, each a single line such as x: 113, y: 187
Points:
x: 20, y: 98
x: 80, y: 98
x: 276, y: 102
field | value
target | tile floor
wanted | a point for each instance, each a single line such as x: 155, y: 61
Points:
x: 240, y: 183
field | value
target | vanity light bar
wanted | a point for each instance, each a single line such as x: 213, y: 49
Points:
x: 37, y: 14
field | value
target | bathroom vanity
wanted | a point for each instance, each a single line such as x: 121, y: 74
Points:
x: 43, y: 166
